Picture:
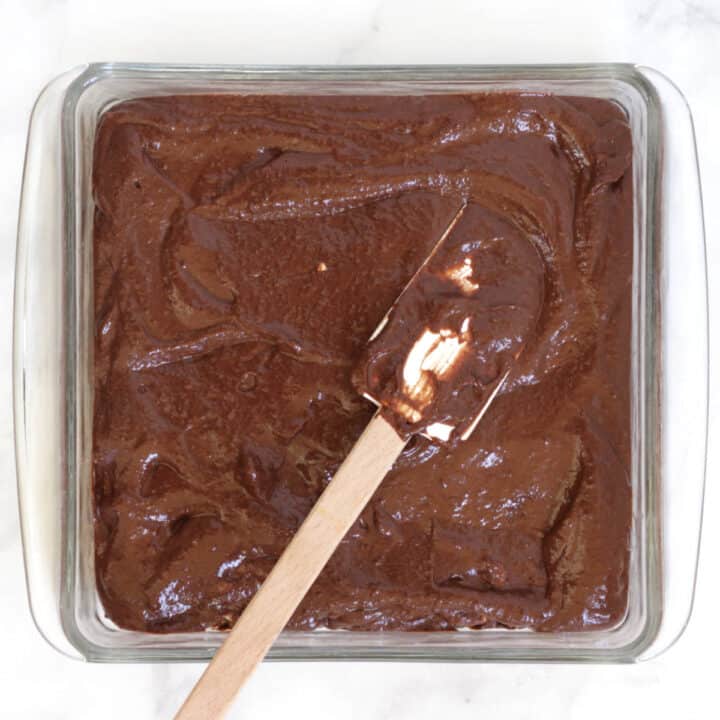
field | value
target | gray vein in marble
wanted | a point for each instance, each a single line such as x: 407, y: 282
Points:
x: 347, y: 54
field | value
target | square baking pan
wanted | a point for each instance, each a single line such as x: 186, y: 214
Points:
x: 53, y: 340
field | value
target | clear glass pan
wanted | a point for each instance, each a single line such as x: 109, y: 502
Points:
x: 53, y: 360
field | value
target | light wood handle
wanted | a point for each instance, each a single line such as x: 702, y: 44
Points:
x: 296, y: 570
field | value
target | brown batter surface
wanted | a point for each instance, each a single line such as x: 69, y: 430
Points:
x: 245, y: 248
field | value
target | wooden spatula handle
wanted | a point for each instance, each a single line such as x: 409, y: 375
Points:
x: 296, y: 570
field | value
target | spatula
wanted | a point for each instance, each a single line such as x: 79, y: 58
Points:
x: 433, y: 366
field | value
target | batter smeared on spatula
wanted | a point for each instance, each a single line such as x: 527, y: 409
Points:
x: 442, y: 352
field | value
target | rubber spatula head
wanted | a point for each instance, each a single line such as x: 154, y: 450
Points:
x: 446, y: 346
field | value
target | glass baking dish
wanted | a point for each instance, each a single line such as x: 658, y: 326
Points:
x: 53, y: 360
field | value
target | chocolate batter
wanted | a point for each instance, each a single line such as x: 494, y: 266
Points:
x: 245, y: 248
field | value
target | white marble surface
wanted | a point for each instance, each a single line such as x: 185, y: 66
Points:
x: 40, y: 38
